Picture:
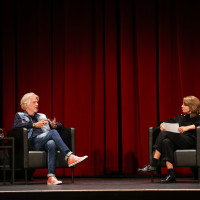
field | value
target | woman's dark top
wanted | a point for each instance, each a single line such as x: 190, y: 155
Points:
x: 186, y: 120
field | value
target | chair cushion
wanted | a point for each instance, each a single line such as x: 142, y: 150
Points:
x: 185, y: 158
x: 37, y: 159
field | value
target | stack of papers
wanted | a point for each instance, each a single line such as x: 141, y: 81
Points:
x: 171, y: 127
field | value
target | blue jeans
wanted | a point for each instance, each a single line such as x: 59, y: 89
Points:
x: 50, y: 142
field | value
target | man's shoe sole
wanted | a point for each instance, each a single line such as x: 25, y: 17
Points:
x: 55, y: 183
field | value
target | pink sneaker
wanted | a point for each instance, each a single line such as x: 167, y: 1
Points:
x: 53, y: 181
x: 75, y: 160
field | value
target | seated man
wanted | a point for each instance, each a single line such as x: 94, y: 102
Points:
x: 42, y: 135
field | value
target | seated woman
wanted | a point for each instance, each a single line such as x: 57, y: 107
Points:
x: 167, y: 142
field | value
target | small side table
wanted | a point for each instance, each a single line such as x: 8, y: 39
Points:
x: 8, y: 143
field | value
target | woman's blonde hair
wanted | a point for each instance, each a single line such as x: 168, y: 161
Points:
x: 193, y: 103
x: 26, y: 99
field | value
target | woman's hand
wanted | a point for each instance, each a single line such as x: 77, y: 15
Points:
x: 162, y: 128
x: 183, y: 129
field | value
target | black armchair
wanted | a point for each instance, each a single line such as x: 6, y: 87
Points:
x: 182, y: 158
x: 25, y: 159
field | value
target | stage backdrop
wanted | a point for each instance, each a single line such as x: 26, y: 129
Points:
x: 110, y: 69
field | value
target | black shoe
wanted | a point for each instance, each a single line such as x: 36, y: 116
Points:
x: 169, y: 179
x: 148, y: 169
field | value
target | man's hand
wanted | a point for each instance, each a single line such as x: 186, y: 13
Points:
x: 53, y: 123
x: 41, y: 124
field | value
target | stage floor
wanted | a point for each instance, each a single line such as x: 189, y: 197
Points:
x: 99, y: 188
x: 91, y: 184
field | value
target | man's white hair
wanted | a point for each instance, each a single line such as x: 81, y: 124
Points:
x: 26, y: 99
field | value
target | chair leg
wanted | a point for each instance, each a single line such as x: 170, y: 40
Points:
x: 63, y: 172
x: 4, y: 176
x: 198, y: 174
x: 158, y: 172
x: 152, y: 178
x: 72, y: 174
x: 26, y: 176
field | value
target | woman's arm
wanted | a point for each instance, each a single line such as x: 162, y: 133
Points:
x: 186, y: 128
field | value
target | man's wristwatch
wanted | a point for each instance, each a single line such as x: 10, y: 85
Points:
x: 33, y: 125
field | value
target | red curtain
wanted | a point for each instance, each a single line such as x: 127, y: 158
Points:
x: 110, y: 69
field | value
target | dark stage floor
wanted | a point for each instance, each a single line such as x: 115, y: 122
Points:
x: 99, y: 188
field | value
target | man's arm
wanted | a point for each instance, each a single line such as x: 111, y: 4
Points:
x: 19, y: 123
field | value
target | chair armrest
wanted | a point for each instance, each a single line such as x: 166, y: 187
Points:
x: 21, y: 146
x: 198, y: 145
x: 68, y: 136
x: 153, y: 133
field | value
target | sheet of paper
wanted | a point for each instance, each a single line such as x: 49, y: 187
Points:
x: 172, y: 127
